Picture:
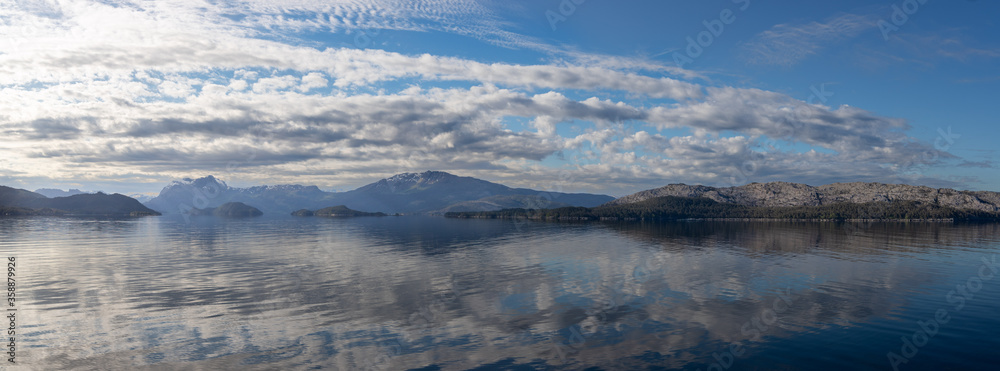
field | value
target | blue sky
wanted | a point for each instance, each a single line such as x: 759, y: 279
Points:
x: 582, y: 96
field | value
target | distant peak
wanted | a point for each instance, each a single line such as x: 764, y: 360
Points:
x: 430, y: 174
x: 405, y: 181
x: 200, y: 182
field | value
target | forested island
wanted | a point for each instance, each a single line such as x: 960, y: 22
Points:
x: 676, y: 208
x: 335, y: 211
x: 229, y: 210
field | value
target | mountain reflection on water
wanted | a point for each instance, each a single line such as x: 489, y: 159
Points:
x: 434, y: 293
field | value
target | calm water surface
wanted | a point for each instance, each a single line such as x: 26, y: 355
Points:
x: 430, y: 293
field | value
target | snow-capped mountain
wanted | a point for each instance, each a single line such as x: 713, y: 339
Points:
x: 425, y: 192
x: 52, y: 193
x: 185, y: 194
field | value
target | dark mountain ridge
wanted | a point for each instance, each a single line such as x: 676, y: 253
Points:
x: 22, y: 202
x: 408, y: 193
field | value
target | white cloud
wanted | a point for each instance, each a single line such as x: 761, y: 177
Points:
x: 270, y: 84
x: 238, y: 85
x: 788, y: 44
x: 313, y: 80
x: 175, y: 89
x: 158, y: 90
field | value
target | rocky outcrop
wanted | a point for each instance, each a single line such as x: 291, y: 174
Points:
x: 795, y: 194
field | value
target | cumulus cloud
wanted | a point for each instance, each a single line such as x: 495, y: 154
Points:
x: 313, y: 80
x: 151, y: 91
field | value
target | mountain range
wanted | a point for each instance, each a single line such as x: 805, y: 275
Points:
x: 435, y: 192
x: 408, y: 193
x: 52, y: 193
x: 22, y: 202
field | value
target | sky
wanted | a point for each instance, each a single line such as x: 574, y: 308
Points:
x: 568, y: 95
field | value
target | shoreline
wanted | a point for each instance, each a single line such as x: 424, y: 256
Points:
x: 613, y: 219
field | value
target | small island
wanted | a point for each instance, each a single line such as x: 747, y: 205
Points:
x: 335, y: 211
x: 303, y: 212
x: 229, y: 210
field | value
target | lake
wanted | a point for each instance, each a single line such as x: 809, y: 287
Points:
x: 429, y: 293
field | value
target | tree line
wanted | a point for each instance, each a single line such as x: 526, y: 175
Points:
x: 672, y: 208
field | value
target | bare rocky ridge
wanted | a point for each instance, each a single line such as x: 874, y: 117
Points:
x: 795, y: 194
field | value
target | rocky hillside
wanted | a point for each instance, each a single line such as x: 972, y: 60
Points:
x: 778, y: 194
